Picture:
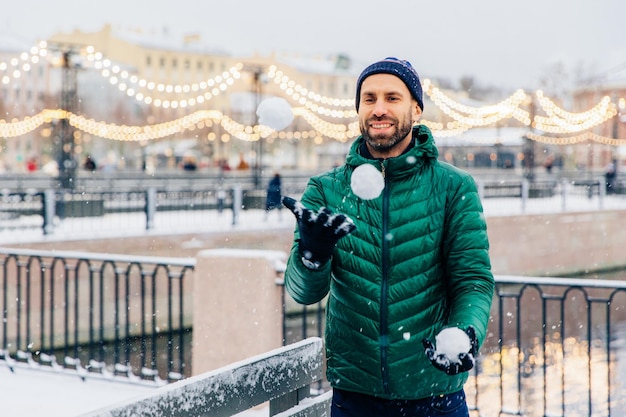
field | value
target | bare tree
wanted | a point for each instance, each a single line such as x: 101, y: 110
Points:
x: 555, y: 80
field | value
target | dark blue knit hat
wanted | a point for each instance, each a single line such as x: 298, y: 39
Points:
x: 398, y: 67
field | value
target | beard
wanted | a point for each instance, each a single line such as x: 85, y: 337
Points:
x: 384, y: 143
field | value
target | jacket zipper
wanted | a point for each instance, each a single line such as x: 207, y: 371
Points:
x: 384, y: 337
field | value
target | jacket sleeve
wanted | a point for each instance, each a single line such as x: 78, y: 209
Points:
x: 304, y: 285
x: 470, y: 280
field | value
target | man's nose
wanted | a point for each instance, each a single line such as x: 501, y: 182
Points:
x: 380, y: 108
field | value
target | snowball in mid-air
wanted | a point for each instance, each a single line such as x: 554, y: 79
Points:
x: 275, y: 112
x: 452, y: 342
x: 367, y: 182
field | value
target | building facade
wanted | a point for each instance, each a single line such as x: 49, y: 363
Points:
x: 196, y: 105
x: 25, y: 88
x: 172, y: 78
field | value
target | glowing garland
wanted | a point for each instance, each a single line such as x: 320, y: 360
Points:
x: 203, y: 91
x: 21, y: 127
x: 16, y: 66
x: 560, y: 121
x: 134, y: 133
x: 572, y: 140
x: 296, y: 90
x: 557, y: 120
x: 310, y: 99
x: 204, y: 118
x: 336, y: 131
x: 481, y: 116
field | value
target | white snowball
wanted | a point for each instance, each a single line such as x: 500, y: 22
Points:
x: 275, y: 112
x: 367, y: 182
x: 451, y: 342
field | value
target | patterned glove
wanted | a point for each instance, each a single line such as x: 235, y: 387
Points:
x: 319, y: 232
x: 444, y: 363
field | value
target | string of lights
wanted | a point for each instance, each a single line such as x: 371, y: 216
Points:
x: 464, y: 117
x: 560, y: 121
x: 475, y: 116
x: 204, y: 118
x: 310, y: 99
x: 553, y: 110
x: 112, y: 131
x: 572, y: 140
x: 15, y: 67
x: 132, y: 85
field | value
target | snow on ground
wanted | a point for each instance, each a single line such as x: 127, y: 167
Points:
x: 31, y: 391
x: 133, y: 224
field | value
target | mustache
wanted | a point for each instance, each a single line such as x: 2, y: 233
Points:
x: 381, y: 119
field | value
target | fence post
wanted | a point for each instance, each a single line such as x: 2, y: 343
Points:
x: 49, y: 202
x: 150, y: 208
x: 525, y: 191
x: 564, y: 182
x: 237, y: 306
x: 237, y: 201
x: 601, y: 193
x: 480, y: 184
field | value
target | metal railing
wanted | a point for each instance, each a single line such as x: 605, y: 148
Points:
x: 132, y: 208
x: 555, y: 346
x: 139, y: 181
x: 96, y: 312
x: 281, y: 377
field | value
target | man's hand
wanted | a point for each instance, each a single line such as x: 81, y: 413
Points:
x: 319, y: 232
x: 452, y: 366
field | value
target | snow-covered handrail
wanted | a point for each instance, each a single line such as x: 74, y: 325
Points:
x: 281, y: 376
x: 107, y: 257
x: 564, y: 282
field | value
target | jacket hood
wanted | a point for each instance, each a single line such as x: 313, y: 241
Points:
x: 422, y: 151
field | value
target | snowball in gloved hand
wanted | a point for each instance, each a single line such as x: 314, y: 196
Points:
x: 452, y: 342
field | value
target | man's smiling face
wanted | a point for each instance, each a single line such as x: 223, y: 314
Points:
x: 387, y: 112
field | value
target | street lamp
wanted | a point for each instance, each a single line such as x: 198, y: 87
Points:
x: 257, y: 93
x: 529, y: 146
x: 65, y: 134
x: 272, y: 112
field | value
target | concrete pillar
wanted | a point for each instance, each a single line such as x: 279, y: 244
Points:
x: 237, y: 306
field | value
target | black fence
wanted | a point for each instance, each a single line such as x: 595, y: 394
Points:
x: 554, y: 346
x: 113, y: 313
x: 60, y: 211
x: 141, y: 181
x: 57, y: 212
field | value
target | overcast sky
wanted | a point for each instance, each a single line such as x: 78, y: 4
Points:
x: 503, y: 43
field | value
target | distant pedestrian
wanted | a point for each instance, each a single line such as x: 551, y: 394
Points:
x: 89, y: 164
x: 549, y: 163
x: 189, y: 164
x: 274, y: 191
x: 221, y: 199
x: 609, y: 176
x: 31, y: 164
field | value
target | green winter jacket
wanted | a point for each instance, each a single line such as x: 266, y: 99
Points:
x: 417, y: 262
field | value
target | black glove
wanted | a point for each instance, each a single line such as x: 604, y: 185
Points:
x: 443, y: 362
x: 319, y: 232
